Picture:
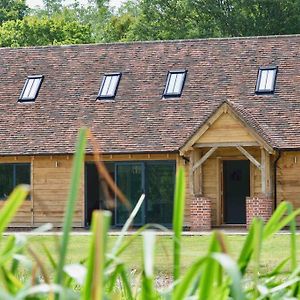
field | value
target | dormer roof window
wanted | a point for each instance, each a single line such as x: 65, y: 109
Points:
x: 174, y: 84
x: 31, y: 88
x: 266, y: 80
x: 109, y: 86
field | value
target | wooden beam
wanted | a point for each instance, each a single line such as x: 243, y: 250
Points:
x: 263, y: 172
x: 204, y: 158
x: 197, y: 174
x: 226, y: 144
x: 268, y: 173
x: 191, y: 179
x: 249, y: 156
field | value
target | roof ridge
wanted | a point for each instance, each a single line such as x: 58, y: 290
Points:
x: 159, y: 41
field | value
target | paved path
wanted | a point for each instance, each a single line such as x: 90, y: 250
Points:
x: 83, y: 232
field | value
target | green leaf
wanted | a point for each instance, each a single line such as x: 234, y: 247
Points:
x: 72, y: 197
x: 148, y: 289
x: 93, y: 288
x: 178, y: 217
x: 233, y: 271
x: 210, y: 276
x: 11, y: 206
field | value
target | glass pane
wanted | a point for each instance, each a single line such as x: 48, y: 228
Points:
x: 270, y: 80
x: 105, y: 87
x: 263, y: 80
x: 6, y: 180
x: 22, y: 174
x: 113, y: 85
x: 34, y: 88
x: 171, y: 83
x: 178, y: 83
x: 160, y: 181
x: 129, y: 180
x: 29, y: 83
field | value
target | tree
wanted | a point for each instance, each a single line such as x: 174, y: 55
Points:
x: 250, y: 17
x: 119, y: 25
x: 181, y: 19
x: 12, y: 10
x: 32, y: 31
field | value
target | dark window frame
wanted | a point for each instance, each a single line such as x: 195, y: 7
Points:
x: 105, y: 77
x: 30, y: 99
x: 167, y: 94
x: 259, y: 75
x: 145, y: 184
x: 14, y: 181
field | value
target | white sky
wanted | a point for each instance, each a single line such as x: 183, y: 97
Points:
x: 34, y: 3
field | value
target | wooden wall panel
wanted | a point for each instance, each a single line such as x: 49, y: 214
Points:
x: 288, y: 179
x: 226, y: 129
x: 51, y: 181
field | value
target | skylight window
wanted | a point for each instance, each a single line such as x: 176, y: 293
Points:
x: 31, y: 88
x: 266, y: 80
x: 109, y: 86
x: 174, y: 84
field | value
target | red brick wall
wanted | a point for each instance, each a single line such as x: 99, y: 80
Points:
x: 200, y: 208
x: 258, y: 207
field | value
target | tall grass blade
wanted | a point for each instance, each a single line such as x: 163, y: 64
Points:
x: 11, y: 206
x: 126, y: 284
x: 293, y: 243
x: 232, y: 270
x: 78, y: 162
x: 148, y: 290
x: 128, y: 224
x: 93, y: 288
x: 209, y: 279
x: 257, y: 244
x: 189, y: 277
x: 178, y: 217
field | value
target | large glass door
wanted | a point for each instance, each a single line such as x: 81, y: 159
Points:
x: 129, y: 179
x: 160, y: 181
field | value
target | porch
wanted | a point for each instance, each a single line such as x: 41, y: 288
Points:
x: 230, y: 173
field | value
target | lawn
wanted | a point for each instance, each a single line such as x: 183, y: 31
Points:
x: 274, y: 250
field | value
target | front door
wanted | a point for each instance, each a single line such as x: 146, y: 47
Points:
x: 236, y: 187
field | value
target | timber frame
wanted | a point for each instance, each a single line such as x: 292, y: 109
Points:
x: 199, y: 152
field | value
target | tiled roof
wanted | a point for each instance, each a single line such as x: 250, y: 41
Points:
x: 139, y: 120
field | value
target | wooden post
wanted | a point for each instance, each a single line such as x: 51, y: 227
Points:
x: 197, y: 174
x: 192, y: 159
x: 263, y: 172
x: 32, y: 189
x: 268, y: 173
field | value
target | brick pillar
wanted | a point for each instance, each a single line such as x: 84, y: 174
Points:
x: 200, y: 213
x: 260, y: 206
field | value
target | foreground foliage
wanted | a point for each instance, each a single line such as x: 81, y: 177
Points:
x: 103, y: 275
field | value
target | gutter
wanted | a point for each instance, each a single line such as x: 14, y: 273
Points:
x: 275, y: 178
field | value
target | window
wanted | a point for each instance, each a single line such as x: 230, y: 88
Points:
x: 174, y: 84
x: 12, y: 175
x: 31, y: 88
x: 109, y: 86
x: 266, y: 80
x: 154, y: 178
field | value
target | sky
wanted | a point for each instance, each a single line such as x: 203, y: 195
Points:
x: 34, y: 3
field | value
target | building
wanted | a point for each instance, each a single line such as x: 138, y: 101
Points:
x: 226, y: 109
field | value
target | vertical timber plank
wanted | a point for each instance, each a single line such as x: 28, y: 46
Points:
x: 263, y: 172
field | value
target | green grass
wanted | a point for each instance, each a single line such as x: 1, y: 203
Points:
x: 274, y: 250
